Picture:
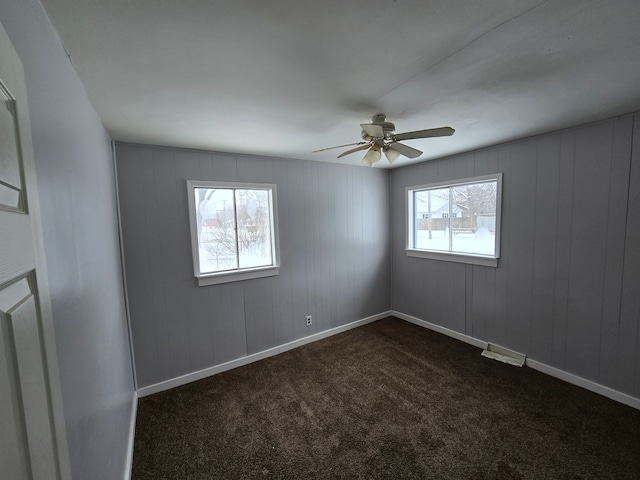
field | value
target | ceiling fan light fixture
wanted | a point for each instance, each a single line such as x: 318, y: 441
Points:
x: 373, y: 156
x: 392, y: 155
x: 379, y: 136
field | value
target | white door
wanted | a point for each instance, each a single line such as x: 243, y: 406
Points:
x: 32, y: 433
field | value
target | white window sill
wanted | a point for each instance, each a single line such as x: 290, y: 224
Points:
x: 237, y: 276
x: 453, y: 257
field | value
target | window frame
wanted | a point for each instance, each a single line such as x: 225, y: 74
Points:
x: 238, y: 274
x: 451, y: 256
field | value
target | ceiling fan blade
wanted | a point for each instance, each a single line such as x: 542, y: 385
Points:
x: 372, y: 130
x: 431, y: 132
x: 405, y: 150
x: 339, y: 146
x: 353, y: 150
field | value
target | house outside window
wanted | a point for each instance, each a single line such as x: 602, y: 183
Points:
x: 456, y: 221
x: 234, y: 232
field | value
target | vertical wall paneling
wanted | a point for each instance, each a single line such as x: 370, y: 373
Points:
x: 522, y: 201
x: 341, y: 222
x: 171, y: 201
x: 356, y: 239
x: 456, y: 308
x: 325, y: 235
x: 150, y: 222
x: 259, y: 314
x: 351, y: 193
x: 629, y: 338
x: 478, y: 311
x: 383, y: 234
x: 311, y: 243
x: 309, y: 257
x: 298, y: 246
x: 417, y: 287
x: 544, y: 248
x: 397, y: 184
x: 499, y: 320
x: 141, y: 287
x: 330, y: 268
x: 429, y: 276
x: 318, y: 252
x: 615, y: 245
x: 283, y: 330
x: 467, y: 328
x: 565, y: 289
x: 566, y: 169
x: 588, y: 247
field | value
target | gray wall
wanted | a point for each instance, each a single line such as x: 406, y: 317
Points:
x: 75, y: 178
x: 567, y: 288
x: 335, y: 258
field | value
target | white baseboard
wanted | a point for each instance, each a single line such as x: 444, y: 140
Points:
x: 534, y: 364
x: 132, y: 435
x: 437, y: 328
x: 584, y: 383
x: 207, y: 372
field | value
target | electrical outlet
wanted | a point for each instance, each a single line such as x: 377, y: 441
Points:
x: 309, y: 320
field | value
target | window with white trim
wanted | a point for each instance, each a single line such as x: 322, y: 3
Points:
x: 234, y: 231
x: 456, y: 221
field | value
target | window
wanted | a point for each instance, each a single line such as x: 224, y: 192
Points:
x: 234, y: 234
x: 456, y: 221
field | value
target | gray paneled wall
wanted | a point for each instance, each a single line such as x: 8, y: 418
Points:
x: 567, y: 288
x: 335, y: 257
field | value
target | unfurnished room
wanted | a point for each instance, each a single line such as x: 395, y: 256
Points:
x: 319, y: 240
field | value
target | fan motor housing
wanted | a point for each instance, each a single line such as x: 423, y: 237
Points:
x: 380, y: 119
x: 388, y: 128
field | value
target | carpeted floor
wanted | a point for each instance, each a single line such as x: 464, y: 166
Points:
x: 388, y: 400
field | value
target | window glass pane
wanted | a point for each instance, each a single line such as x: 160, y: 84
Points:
x: 254, y: 228
x: 432, y: 222
x: 461, y: 218
x: 474, y: 226
x: 216, y: 229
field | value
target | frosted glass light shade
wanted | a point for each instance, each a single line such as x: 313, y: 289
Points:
x: 391, y: 154
x: 373, y: 156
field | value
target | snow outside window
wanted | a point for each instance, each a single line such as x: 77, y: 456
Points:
x: 456, y: 221
x: 233, y: 231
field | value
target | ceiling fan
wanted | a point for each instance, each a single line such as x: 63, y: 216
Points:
x: 379, y: 136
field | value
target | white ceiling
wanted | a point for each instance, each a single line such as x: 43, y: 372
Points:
x: 285, y: 77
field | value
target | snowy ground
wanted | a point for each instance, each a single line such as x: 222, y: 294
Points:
x: 482, y: 242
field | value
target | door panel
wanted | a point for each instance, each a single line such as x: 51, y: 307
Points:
x: 11, y: 191
x: 25, y: 375
x: 25, y: 323
x: 13, y: 442
x: 15, y: 259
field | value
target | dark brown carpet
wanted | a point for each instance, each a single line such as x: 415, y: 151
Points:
x: 387, y: 400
